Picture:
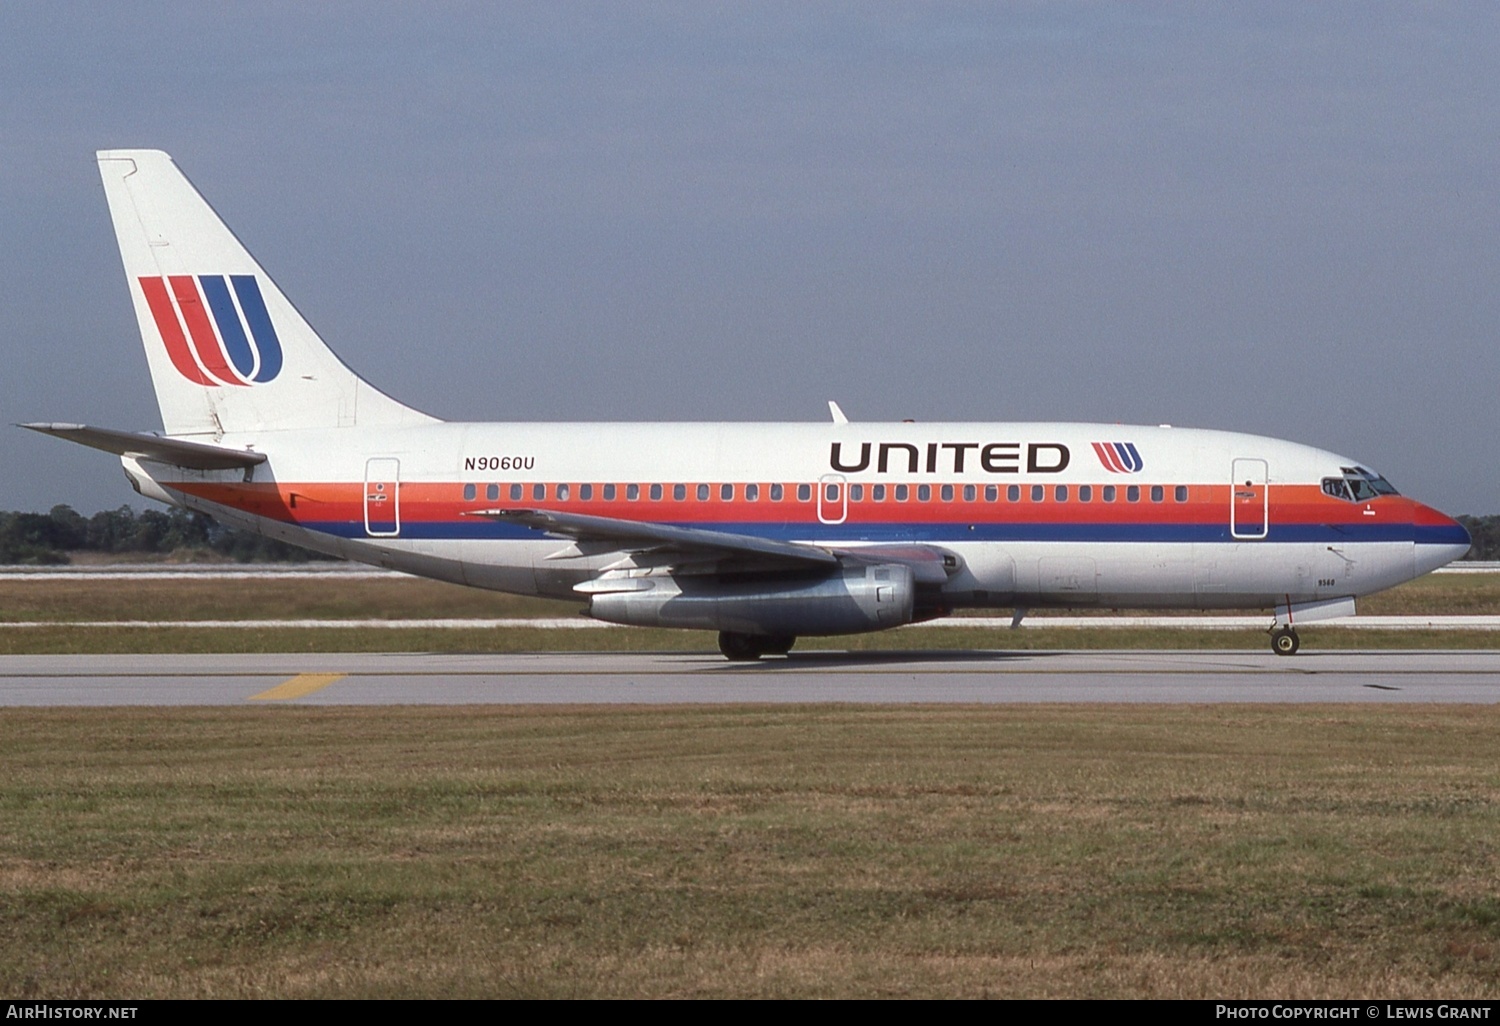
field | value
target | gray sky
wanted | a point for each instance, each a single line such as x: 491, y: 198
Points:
x: 1277, y: 218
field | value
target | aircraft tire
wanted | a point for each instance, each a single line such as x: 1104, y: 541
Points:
x: 778, y: 644
x: 1285, y: 641
x: 741, y: 648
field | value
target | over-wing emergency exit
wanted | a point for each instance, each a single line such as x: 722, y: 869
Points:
x: 762, y: 532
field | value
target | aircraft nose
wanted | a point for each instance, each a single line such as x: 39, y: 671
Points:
x: 1439, y: 539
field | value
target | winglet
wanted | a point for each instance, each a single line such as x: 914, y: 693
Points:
x: 838, y: 414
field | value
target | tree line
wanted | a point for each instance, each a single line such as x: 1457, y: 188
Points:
x: 48, y: 538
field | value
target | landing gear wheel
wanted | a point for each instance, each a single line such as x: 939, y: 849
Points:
x: 1284, y: 641
x: 741, y: 648
x: 778, y: 644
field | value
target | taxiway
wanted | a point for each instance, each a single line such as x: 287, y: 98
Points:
x: 697, y: 678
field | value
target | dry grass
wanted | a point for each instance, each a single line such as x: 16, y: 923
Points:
x: 417, y: 598
x: 397, y: 598
x: 777, y: 852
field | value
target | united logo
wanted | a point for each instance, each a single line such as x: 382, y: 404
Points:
x: 215, y: 327
x: 1119, y: 457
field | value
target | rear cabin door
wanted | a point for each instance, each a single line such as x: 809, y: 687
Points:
x: 1249, y: 500
x: 383, y: 497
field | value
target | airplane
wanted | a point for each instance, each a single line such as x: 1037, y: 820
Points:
x: 761, y: 532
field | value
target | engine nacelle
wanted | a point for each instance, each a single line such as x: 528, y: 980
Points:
x: 852, y: 600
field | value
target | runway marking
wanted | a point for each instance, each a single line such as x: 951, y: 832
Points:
x: 298, y: 687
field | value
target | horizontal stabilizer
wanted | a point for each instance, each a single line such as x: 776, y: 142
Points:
x: 192, y: 455
x: 690, y: 540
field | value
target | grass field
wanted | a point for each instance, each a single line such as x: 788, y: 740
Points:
x: 1008, y: 851
x: 414, y: 598
x: 786, y: 852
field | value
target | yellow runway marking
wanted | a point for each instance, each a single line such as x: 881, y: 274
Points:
x: 299, y: 686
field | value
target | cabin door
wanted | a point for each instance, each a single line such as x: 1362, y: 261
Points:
x: 383, y: 497
x: 833, y: 499
x: 1249, y: 500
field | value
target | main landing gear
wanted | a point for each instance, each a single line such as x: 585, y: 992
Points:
x: 1284, y: 641
x: 747, y: 648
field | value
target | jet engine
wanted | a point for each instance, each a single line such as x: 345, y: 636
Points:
x: 852, y: 600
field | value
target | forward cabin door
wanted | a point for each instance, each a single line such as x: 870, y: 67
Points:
x: 383, y: 497
x: 1249, y: 500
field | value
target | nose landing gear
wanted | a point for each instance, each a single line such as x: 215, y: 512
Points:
x: 1284, y: 641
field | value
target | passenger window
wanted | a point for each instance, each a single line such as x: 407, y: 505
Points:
x: 1157, y: 493
x: 1085, y: 493
x: 857, y: 493
x: 515, y: 493
x: 1133, y: 493
x: 970, y: 494
x: 492, y: 492
x: 1038, y: 493
x: 562, y: 493
x: 633, y: 492
x: 777, y: 492
x: 1013, y: 493
x: 1109, y: 493
x: 585, y: 492
x: 656, y: 493
x: 947, y: 493
x: 924, y: 493
x: 538, y: 492
x: 804, y: 493
x: 752, y: 492
x: 726, y: 492
x: 609, y: 493
x: 679, y: 492
x: 1181, y: 493
x: 1060, y: 493
x: 902, y: 491
x: 991, y: 493
x: 877, y: 493
x: 469, y: 493
x: 703, y: 493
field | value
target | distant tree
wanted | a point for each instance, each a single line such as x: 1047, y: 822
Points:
x: 49, y: 537
x: 1485, y: 532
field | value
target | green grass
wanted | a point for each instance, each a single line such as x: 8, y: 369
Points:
x: 1022, y: 851
x: 177, y: 600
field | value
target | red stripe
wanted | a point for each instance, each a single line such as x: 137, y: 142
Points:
x: 205, y: 342
x: 171, y: 330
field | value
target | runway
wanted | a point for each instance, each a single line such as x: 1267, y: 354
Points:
x: 995, y: 677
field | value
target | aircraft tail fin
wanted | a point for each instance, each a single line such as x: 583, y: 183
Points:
x: 227, y: 350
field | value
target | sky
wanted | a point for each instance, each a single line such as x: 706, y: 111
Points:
x: 1280, y: 218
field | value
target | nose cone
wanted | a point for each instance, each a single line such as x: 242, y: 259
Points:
x: 1439, y: 539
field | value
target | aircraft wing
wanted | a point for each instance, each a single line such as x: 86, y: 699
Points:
x: 634, y: 534
x: 179, y: 453
x: 928, y: 564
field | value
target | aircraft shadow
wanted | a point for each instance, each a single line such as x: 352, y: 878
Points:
x: 835, y: 660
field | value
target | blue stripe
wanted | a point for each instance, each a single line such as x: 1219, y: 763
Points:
x: 228, y: 320
x: 1453, y: 534
x: 248, y: 291
x: 476, y: 529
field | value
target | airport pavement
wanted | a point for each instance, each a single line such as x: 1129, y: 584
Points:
x: 696, y: 678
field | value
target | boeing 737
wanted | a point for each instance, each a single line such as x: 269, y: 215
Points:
x: 762, y: 532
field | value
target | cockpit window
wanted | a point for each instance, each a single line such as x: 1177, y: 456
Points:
x: 1357, y: 485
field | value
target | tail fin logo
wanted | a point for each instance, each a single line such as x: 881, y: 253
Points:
x: 1119, y: 457
x: 215, y: 327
